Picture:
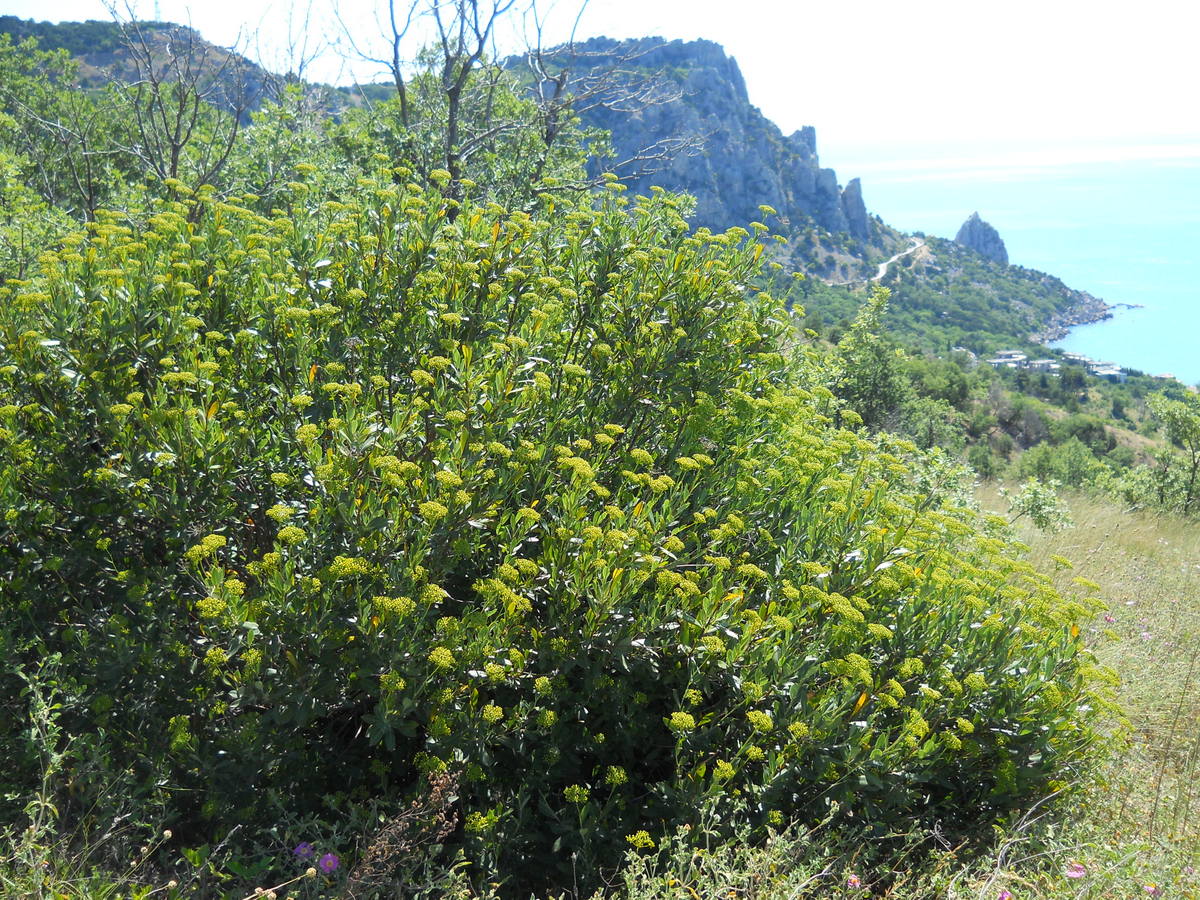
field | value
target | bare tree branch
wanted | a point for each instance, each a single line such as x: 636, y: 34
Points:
x: 178, y: 80
x: 450, y: 111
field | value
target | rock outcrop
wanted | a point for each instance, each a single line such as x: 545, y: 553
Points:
x: 855, y: 210
x: 981, y: 237
x: 738, y: 159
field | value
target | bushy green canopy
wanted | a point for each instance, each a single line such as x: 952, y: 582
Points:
x: 299, y: 509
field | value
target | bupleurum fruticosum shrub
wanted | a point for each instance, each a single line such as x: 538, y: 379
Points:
x: 314, y: 504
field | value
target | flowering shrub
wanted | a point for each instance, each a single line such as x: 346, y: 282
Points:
x: 314, y: 505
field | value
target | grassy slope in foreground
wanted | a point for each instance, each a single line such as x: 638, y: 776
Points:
x: 1142, y: 825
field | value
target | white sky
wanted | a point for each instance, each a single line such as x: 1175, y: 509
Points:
x: 880, y: 79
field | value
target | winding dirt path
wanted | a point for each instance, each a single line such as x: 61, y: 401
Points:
x: 917, y: 244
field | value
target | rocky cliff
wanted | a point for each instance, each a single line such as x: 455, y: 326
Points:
x: 981, y: 237
x: 739, y: 159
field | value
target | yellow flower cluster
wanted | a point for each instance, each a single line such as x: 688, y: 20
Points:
x: 681, y: 722
x: 210, y: 607
x: 397, y: 607
x: 441, y: 658
x: 281, y: 512
x: 640, y: 840
x: 206, y: 548
x: 759, y: 720
x: 290, y: 534
x: 431, y: 510
x: 577, y: 793
x: 391, y: 682
x: 349, y: 567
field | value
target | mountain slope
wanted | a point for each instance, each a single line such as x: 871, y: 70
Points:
x: 950, y: 296
x: 103, y: 55
x: 945, y: 295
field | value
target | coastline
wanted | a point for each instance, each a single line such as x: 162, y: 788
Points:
x: 1089, y: 309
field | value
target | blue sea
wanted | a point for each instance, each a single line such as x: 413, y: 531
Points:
x: 1121, y: 221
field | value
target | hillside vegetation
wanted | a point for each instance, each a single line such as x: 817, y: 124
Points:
x: 358, y: 494
x: 1134, y: 834
x: 679, y: 117
x: 946, y: 296
x: 389, y: 507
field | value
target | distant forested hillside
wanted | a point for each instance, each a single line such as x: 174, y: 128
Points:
x: 77, y: 38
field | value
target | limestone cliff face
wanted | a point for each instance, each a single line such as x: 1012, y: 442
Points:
x: 744, y: 160
x: 855, y: 210
x: 981, y: 237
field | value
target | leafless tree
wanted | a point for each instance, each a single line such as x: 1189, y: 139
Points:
x: 463, y: 66
x: 287, y: 62
x: 70, y: 151
x: 63, y: 135
x: 181, y: 86
x: 463, y: 61
x: 572, y: 81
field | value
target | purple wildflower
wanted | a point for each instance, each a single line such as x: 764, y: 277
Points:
x: 853, y: 882
x: 304, y: 850
x: 1005, y: 894
x: 328, y: 863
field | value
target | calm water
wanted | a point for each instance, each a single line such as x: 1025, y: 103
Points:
x: 1121, y: 222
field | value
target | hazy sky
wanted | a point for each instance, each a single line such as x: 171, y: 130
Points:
x: 880, y: 79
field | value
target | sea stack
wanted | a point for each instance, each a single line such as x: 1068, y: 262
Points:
x: 981, y: 237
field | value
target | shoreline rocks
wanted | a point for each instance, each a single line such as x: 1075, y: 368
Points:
x: 1088, y: 310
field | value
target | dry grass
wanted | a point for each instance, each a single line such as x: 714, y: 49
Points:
x: 1143, y: 824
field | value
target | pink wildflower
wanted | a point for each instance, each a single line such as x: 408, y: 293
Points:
x: 1075, y: 870
x: 1005, y: 895
x: 853, y: 882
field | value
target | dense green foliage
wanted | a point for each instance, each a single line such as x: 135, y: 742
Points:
x: 1134, y: 439
x: 1181, y: 421
x: 961, y: 299
x: 27, y: 225
x: 77, y: 38
x: 313, y: 503
x: 81, y: 150
x: 330, y: 474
